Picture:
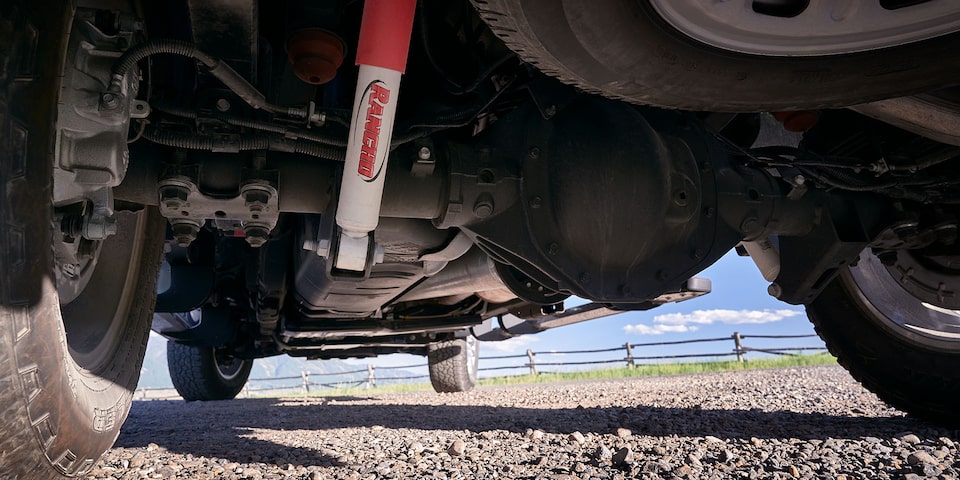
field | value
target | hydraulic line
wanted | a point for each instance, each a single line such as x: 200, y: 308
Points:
x: 228, y: 76
x: 258, y: 141
x: 289, y: 132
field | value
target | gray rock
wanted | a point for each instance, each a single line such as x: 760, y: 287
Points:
x: 910, y: 439
x: 760, y: 424
x: 921, y: 457
x: 602, y: 453
x: 457, y: 448
x: 623, y: 456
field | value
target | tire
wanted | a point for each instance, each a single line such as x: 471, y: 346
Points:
x: 862, y: 317
x: 623, y: 49
x: 453, y: 364
x: 67, y: 372
x: 197, y: 374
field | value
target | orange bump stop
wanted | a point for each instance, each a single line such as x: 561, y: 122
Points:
x: 799, y: 121
x: 315, y: 54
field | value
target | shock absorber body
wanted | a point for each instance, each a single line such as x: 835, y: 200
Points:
x: 381, y: 57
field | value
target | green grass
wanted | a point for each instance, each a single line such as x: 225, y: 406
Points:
x: 649, y: 370
x: 653, y: 370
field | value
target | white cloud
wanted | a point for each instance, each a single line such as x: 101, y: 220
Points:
x: 727, y: 317
x: 641, y: 329
x: 515, y: 344
x: 688, y: 322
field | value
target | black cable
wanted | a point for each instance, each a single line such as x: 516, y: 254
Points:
x: 138, y: 52
x: 243, y: 143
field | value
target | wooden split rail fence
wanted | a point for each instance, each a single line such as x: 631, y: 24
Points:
x: 309, y: 381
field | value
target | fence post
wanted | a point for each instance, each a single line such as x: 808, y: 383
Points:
x: 246, y: 390
x: 305, y: 386
x: 738, y: 347
x: 371, y: 376
x: 629, y: 354
x: 532, y: 365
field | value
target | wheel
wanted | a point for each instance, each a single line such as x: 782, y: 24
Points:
x: 206, y: 373
x: 453, y: 364
x: 759, y: 55
x: 74, y: 315
x: 905, y: 350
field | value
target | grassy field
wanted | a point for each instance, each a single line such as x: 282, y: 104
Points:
x: 603, y: 374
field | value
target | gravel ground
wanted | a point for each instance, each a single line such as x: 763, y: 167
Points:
x: 812, y: 422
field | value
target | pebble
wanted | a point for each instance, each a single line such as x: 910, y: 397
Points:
x: 811, y: 422
x: 602, y: 453
x: 910, y: 439
x: 457, y: 448
x: 918, y: 457
x: 623, y: 456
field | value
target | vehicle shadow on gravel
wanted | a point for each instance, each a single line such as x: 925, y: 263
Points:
x: 220, y: 429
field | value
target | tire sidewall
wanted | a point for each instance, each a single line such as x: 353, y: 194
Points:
x: 196, y: 375
x: 904, y: 373
x: 59, y: 417
x: 622, y: 49
x: 449, y: 365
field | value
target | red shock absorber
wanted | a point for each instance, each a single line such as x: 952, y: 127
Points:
x: 382, y: 57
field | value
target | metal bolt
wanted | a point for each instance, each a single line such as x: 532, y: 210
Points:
x: 536, y: 202
x: 553, y: 249
x: 173, y: 197
x: 483, y: 207
x: 257, y: 235
x: 98, y: 226
x: 424, y: 153
x: 256, y: 200
x: 550, y: 111
x: 534, y: 152
x: 184, y: 233
x: 109, y: 101
x: 223, y: 104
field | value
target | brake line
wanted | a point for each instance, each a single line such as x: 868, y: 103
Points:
x: 219, y: 69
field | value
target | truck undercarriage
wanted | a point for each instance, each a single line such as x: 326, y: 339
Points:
x: 226, y: 158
